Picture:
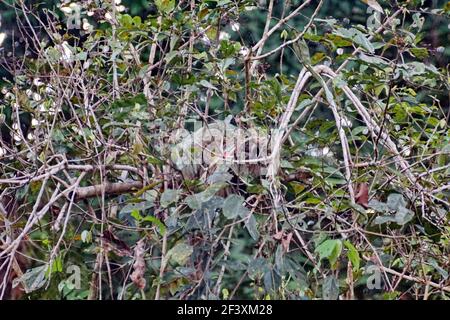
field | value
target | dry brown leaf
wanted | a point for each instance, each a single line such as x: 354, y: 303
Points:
x: 278, y: 235
x: 286, y: 241
x: 139, y: 265
x: 362, y: 197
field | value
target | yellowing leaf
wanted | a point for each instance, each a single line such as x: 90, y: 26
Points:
x: 165, y: 6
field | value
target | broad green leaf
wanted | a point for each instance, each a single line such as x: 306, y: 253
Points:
x: 338, y: 41
x: 225, y: 293
x: 152, y: 219
x: 140, y: 206
x: 357, y: 37
x: 57, y: 266
x: 403, y: 216
x: 207, y: 84
x: 378, y: 206
x: 180, y: 253
x: 165, y: 6
x: 435, y: 265
x: 317, y: 57
x: 168, y: 197
x: 373, y: 60
x: 329, y: 249
x: 234, y: 206
x: 170, y: 55
x: 353, y: 255
x: 126, y: 20
x: 156, y: 222
x: 195, y: 201
x: 383, y: 219
x: 252, y: 227
x: 420, y: 53
x: 396, y: 201
x: 303, y: 50
x: 33, y: 279
x: 136, y: 215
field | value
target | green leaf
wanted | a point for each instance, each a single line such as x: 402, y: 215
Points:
x: 33, y: 279
x: 403, y: 216
x: 195, y: 201
x: 252, y: 228
x: 378, y: 206
x: 170, y: 55
x: 373, y: 60
x: 436, y: 266
x: 86, y: 236
x: 353, y: 255
x: 136, y: 215
x: 168, y: 197
x: 140, y: 206
x: 338, y: 41
x: 180, y: 253
x: 165, y: 6
x: 207, y: 84
x: 329, y: 249
x: 126, y: 20
x: 152, y: 219
x: 221, y: 3
x: 357, y: 37
x: 137, y: 21
x: 420, y: 53
x: 317, y: 57
x: 57, y: 266
x: 82, y: 56
x: 396, y: 201
x: 302, y: 49
x: 156, y: 222
x: 225, y: 294
x: 233, y: 206
x: 383, y: 219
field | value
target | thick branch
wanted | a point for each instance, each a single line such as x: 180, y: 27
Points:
x: 109, y: 188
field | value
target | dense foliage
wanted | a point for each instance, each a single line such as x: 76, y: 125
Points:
x: 103, y: 113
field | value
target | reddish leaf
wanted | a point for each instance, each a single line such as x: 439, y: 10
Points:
x: 286, y: 241
x: 278, y: 235
x: 362, y: 197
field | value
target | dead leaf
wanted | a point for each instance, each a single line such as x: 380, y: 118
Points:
x: 286, y: 241
x: 362, y: 197
x: 139, y: 265
x: 278, y: 235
